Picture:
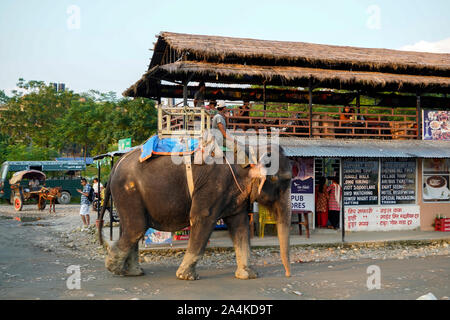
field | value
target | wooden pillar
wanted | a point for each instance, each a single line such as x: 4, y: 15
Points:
x: 185, y: 93
x: 358, y: 103
x: 310, y: 107
x: 419, y: 117
x: 185, y: 103
x: 264, y: 97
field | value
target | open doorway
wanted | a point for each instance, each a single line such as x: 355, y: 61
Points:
x: 325, y: 169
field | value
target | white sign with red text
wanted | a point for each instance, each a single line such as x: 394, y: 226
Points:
x: 382, y: 218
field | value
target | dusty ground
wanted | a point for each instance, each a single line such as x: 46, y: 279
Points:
x: 36, y: 251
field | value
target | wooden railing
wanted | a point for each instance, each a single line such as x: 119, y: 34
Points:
x: 365, y: 122
x: 333, y: 122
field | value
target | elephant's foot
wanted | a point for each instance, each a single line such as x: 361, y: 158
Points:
x: 246, y: 273
x: 187, y: 273
x: 132, y: 267
x: 135, y: 271
x: 115, y: 261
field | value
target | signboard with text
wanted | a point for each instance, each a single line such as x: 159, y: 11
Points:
x: 302, y: 185
x: 360, y: 181
x: 382, y: 218
x: 398, y: 181
x: 124, y: 144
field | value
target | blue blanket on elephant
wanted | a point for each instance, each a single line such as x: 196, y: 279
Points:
x: 167, y: 147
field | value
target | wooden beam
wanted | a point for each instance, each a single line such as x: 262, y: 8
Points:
x: 310, y: 89
x: 419, y: 117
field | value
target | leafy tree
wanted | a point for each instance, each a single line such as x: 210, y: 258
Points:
x: 3, y: 98
x: 39, y: 119
x: 29, y: 153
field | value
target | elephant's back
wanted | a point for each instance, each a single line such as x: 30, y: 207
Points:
x: 159, y: 185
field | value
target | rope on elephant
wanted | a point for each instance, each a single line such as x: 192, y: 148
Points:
x: 232, y: 172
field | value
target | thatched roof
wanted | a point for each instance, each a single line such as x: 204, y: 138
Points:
x: 185, y: 57
x: 264, y: 52
x: 292, y: 76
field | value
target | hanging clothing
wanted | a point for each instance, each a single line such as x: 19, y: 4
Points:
x: 335, y: 192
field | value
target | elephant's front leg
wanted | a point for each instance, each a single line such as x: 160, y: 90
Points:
x: 201, y: 228
x: 238, y: 226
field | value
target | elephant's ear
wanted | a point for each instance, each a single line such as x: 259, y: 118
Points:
x: 258, y: 172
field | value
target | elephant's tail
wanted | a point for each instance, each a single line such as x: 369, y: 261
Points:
x: 102, y: 212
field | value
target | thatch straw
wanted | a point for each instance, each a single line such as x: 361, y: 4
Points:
x: 293, y: 76
x: 264, y: 52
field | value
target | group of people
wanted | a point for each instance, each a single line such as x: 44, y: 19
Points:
x: 328, y: 203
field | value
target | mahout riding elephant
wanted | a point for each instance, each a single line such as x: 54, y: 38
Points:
x: 155, y: 194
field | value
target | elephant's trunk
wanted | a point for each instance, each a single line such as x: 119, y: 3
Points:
x: 283, y: 227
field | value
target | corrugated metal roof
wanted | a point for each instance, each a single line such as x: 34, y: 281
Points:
x: 365, y: 148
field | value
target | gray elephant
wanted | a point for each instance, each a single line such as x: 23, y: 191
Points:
x: 155, y: 194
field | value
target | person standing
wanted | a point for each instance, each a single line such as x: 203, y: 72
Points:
x: 85, y: 203
x: 199, y: 97
x: 95, y: 186
x: 244, y: 111
x: 322, y: 203
x: 334, y: 202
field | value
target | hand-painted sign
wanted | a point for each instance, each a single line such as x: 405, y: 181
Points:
x: 382, y: 218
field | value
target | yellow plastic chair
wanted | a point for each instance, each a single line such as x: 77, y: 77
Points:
x: 265, y: 217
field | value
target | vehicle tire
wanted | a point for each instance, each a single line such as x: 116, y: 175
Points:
x: 65, y: 197
x: 18, y: 203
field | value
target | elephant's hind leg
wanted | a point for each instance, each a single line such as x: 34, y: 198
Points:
x: 238, y: 226
x: 123, y: 257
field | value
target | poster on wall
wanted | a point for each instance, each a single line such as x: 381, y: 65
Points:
x: 153, y: 236
x: 360, y: 182
x: 398, y: 181
x: 436, y: 125
x: 302, y: 185
x: 436, y: 180
x: 382, y: 218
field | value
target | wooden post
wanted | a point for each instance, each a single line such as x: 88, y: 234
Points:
x: 185, y: 94
x: 185, y: 98
x: 310, y: 107
x: 264, y: 97
x: 419, y: 117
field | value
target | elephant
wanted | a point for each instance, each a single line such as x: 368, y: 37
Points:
x: 155, y: 194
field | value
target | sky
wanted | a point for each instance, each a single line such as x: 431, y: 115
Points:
x: 106, y: 45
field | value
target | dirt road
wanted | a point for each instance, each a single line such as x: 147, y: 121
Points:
x: 35, y: 256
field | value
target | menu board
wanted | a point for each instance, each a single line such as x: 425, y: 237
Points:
x: 398, y: 181
x: 360, y: 181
